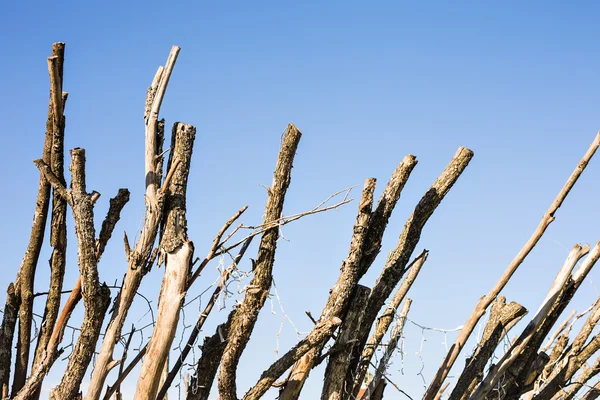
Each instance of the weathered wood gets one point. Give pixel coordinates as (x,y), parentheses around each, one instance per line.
(501,315)
(395,265)
(385,320)
(212,352)
(246,314)
(322,331)
(365,245)
(178,250)
(201,319)
(96,297)
(337,366)
(395,337)
(593,393)
(140,255)
(9,321)
(558,287)
(58,227)
(26,273)
(485,301)
(514,383)
(341,292)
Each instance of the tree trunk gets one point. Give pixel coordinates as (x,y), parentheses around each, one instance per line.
(364,248)
(179,251)
(246,314)
(334,386)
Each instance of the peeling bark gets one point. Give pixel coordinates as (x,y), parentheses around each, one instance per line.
(179,251)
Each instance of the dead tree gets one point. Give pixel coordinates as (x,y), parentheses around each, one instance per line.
(178,251)
(485,301)
(528,370)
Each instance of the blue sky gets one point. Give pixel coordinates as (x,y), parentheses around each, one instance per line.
(366,83)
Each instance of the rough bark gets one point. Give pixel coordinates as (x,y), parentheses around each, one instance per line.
(386,319)
(501,315)
(212,352)
(514,383)
(96,297)
(138,258)
(178,251)
(389,350)
(28,266)
(9,321)
(337,366)
(485,301)
(395,265)
(256,294)
(593,393)
(525,347)
(340,294)
(58,227)
(321,332)
(365,245)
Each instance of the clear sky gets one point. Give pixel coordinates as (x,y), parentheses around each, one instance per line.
(366,83)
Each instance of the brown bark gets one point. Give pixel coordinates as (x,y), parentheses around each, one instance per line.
(593,393)
(395,265)
(212,352)
(201,319)
(178,250)
(386,319)
(334,387)
(396,335)
(365,245)
(525,350)
(520,357)
(9,321)
(30,260)
(96,297)
(256,294)
(341,292)
(138,257)
(484,302)
(322,331)
(58,227)
(501,316)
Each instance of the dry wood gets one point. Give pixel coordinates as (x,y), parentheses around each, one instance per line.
(58,227)
(390,348)
(395,265)
(339,355)
(593,393)
(140,255)
(502,315)
(587,373)
(341,292)
(212,352)
(26,274)
(484,302)
(256,294)
(321,332)
(566,325)
(558,286)
(386,319)
(96,297)
(178,251)
(518,379)
(9,321)
(364,248)
(201,319)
